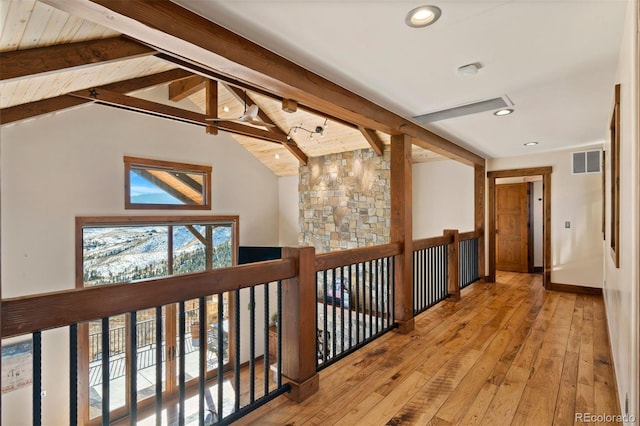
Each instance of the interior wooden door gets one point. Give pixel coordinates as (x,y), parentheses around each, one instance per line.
(514,245)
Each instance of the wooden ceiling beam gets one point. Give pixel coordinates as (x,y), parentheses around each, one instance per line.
(106,97)
(172,28)
(374,140)
(63,57)
(211,107)
(181,89)
(209,73)
(291,144)
(57,103)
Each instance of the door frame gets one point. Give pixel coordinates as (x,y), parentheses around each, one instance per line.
(545,172)
(529,220)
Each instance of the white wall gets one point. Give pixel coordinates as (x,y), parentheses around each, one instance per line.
(70,164)
(443,194)
(621,289)
(289,208)
(576,252)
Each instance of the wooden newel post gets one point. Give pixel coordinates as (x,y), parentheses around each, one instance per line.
(402,230)
(453,281)
(298,325)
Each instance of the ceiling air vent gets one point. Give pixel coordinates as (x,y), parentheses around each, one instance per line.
(459,111)
(587,162)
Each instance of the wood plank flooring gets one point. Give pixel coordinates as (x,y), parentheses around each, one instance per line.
(508,353)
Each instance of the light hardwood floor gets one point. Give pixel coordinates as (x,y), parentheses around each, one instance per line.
(508,353)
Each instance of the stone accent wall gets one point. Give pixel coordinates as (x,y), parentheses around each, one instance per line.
(345,201)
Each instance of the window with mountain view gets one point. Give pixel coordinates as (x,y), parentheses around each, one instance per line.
(154,184)
(124,250)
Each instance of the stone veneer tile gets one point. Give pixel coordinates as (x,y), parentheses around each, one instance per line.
(345,200)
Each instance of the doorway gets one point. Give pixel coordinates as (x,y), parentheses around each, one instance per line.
(514,227)
(545,172)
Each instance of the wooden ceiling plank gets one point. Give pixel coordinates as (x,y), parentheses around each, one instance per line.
(41,60)
(181,89)
(291,144)
(211,104)
(372,137)
(107,97)
(46,106)
(173,28)
(17,18)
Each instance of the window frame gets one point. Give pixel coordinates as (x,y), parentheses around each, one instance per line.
(169,166)
(83,329)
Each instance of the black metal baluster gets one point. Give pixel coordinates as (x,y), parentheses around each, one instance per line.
(133,369)
(37,378)
(159,361)
(393,292)
(325,330)
(202,359)
(221,351)
(73,374)
(333,311)
(252,344)
(415,280)
(342,307)
(350,307)
(181,368)
(279,351)
(423,279)
(236,362)
(371,278)
(388,292)
(357,307)
(266,339)
(105,371)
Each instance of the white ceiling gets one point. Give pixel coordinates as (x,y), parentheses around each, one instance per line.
(555,59)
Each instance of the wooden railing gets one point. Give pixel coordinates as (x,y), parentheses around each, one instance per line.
(442,266)
(252,385)
(355,299)
(353,294)
(430,272)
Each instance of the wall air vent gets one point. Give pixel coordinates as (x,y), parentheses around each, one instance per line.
(473,108)
(587,162)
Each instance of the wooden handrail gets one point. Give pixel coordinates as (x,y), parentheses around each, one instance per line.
(27,314)
(340,258)
(470,235)
(431,242)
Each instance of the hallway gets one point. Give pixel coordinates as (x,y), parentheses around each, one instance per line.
(507,353)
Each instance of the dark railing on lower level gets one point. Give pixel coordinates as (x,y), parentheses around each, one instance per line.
(430,271)
(468,259)
(355,300)
(223,393)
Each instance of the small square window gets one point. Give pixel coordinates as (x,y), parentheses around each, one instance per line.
(154,184)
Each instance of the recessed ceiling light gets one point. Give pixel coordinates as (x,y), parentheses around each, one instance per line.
(531,143)
(225,109)
(277,156)
(504,111)
(422,16)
